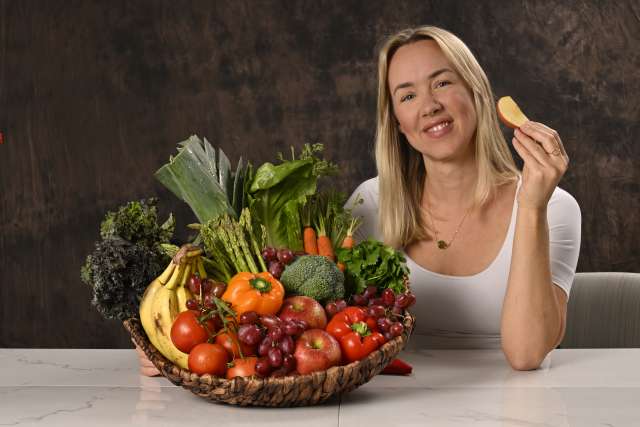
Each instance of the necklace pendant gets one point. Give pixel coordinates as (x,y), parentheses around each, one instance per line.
(442,244)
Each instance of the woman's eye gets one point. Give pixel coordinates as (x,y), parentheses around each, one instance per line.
(406,97)
(442,83)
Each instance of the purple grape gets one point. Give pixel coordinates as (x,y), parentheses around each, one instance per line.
(341,304)
(402,301)
(263,368)
(396,329)
(331,309)
(285,256)
(376,301)
(209,301)
(270,321)
(376,311)
(275,357)
(276,334)
(287,345)
(412,299)
(388,336)
(384,324)
(292,328)
(269,254)
(276,268)
(289,363)
(249,334)
(192,304)
(359,300)
(370,292)
(388,297)
(194,284)
(303,324)
(265,345)
(218,289)
(249,318)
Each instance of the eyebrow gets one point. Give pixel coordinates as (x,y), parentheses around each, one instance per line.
(431,76)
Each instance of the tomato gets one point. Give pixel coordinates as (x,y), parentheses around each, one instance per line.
(230,342)
(242,367)
(208,358)
(187,332)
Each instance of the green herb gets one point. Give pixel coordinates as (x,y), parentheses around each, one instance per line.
(373,263)
(279,191)
(204,180)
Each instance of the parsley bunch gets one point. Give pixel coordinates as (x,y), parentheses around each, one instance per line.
(373,263)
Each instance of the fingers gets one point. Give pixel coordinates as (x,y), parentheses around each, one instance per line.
(149,372)
(548,138)
(533,149)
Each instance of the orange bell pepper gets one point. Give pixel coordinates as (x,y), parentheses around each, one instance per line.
(260,292)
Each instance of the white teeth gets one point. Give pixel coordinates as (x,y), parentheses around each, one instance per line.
(439,127)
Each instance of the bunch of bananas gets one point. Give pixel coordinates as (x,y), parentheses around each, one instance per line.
(166,297)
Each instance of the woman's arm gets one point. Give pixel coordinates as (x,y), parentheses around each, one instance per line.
(534,309)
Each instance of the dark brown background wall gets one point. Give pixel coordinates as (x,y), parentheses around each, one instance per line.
(94,96)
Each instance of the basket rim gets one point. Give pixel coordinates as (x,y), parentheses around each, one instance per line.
(137,332)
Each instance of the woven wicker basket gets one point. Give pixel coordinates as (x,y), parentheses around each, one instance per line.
(300,390)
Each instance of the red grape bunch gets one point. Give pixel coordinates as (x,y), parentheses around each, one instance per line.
(275,339)
(277,260)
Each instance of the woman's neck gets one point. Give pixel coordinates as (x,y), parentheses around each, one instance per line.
(450,186)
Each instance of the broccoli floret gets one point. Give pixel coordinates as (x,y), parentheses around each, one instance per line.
(314,276)
(137,222)
(119,272)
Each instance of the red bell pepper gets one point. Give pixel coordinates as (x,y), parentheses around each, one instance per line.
(356,333)
(397,367)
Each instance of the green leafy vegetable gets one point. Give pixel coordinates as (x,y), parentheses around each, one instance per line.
(127,258)
(278,192)
(137,222)
(373,263)
(204,180)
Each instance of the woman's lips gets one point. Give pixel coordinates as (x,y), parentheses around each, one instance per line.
(440,129)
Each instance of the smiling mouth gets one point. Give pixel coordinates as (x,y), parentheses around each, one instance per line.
(437,128)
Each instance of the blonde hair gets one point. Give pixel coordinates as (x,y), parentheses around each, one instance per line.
(400,216)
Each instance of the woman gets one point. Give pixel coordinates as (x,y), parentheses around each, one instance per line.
(492,251)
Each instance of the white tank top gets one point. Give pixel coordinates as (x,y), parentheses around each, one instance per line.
(465,311)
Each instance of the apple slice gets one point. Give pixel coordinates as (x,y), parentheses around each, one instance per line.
(509,112)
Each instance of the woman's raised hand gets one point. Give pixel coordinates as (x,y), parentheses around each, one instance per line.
(545,162)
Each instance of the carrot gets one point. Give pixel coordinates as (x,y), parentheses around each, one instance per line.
(325,247)
(310,241)
(342,267)
(349,241)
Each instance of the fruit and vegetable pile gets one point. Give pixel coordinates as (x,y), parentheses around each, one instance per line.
(272,282)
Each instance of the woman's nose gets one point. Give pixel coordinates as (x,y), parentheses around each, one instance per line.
(430,106)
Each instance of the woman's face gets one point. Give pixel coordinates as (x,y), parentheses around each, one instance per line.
(431,102)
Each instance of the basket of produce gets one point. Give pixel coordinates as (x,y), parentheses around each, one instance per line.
(271,302)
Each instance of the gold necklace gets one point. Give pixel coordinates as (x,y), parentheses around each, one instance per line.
(441,243)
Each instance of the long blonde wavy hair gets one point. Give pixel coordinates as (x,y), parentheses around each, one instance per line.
(401,170)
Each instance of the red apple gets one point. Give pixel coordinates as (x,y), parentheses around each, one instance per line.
(316,350)
(304,308)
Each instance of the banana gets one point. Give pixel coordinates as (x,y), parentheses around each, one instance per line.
(164,299)
(146,317)
(183,292)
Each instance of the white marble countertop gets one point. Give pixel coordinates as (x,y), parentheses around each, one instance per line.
(580,388)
